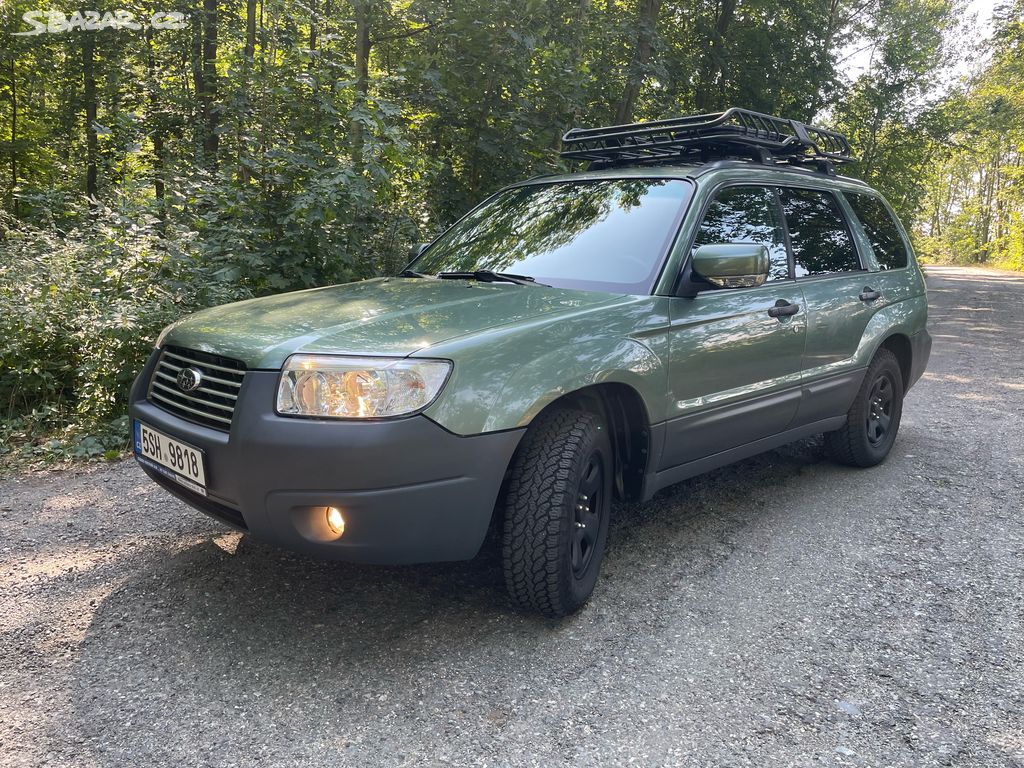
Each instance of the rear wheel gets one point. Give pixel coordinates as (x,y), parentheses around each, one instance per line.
(874,418)
(556,505)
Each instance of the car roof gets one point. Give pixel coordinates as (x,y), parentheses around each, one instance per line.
(704,173)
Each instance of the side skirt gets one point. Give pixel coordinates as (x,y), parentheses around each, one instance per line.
(655,481)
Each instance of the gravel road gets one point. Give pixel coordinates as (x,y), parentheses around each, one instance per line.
(780,612)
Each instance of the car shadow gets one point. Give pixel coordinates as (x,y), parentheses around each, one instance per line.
(220,630)
(230,584)
(224,639)
(257,601)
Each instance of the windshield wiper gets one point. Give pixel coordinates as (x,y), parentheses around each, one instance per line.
(487,276)
(411,273)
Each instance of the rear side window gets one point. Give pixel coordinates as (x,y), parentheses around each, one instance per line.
(881,229)
(818,233)
(747,215)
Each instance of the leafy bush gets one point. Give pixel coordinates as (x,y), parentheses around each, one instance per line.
(84,294)
(79,312)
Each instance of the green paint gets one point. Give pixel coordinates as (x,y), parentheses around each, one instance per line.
(518,348)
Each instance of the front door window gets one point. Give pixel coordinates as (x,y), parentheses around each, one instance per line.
(747,214)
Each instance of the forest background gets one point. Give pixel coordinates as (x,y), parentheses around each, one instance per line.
(258,146)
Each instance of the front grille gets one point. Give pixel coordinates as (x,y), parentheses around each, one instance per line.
(213,403)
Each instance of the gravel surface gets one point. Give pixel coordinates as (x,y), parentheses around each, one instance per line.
(782,611)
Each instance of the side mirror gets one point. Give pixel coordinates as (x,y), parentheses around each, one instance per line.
(732,265)
(416,250)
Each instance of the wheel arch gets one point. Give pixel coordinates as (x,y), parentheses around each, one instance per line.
(623,410)
(899,344)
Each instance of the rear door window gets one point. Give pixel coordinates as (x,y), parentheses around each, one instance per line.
(818,232)
(747,214)
(881,229)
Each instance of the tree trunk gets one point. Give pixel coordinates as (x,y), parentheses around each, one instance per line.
(196,28)
(89,84)
(575,100)
(647,30)
(209,78)
(708,84)
(156,118)
(248,59)
(815,102)
(363,9)
(997,194)
(250,31)
(14,135)
(867,155)
(578,46)
(312,25)
(989,181)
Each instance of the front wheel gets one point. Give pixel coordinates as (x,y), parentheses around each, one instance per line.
(874,418)
(557,504)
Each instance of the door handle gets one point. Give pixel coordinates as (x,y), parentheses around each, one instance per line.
(783,308)
(870,294)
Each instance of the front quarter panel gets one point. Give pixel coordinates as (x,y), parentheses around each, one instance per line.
(504,378)
(537,385)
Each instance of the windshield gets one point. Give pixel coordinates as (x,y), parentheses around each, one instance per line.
(590,235)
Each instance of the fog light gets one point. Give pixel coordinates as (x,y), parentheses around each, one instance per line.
(335,521)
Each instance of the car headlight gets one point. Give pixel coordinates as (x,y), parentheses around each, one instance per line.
(358,387)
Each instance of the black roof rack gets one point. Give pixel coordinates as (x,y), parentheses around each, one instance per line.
(701,138)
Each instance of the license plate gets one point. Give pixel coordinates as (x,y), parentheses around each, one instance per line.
(172,458)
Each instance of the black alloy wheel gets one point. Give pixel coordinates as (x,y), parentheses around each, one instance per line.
(874,417)
(880,406)
(586,530)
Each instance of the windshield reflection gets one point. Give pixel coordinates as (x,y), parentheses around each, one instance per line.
(608,235)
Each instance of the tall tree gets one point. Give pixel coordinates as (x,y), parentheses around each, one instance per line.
(208,82)
(13,90)
(157,132)
(89,94)
(363,11)
(891,107)
(708,91)
(973,184)
(643,52)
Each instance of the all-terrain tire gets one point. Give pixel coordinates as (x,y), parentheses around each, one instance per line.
(556,507)
(874,418)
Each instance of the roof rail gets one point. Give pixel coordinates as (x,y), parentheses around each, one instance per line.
(701,138)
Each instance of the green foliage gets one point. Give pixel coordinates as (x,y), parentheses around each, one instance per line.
(893,114)
(972,207)
(79,312)
(316,145)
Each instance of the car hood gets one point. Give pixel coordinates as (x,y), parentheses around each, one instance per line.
(385,316)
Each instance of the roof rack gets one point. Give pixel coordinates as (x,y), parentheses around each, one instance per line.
(734,133)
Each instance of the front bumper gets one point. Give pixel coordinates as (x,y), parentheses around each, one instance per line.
(409,490)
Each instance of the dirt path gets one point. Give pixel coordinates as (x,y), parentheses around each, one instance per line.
(783,611)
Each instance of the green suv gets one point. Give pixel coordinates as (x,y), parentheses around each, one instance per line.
(708,289)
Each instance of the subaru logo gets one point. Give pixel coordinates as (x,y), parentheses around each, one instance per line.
(189,379)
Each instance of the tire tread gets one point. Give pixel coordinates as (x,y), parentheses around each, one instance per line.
(533,535)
